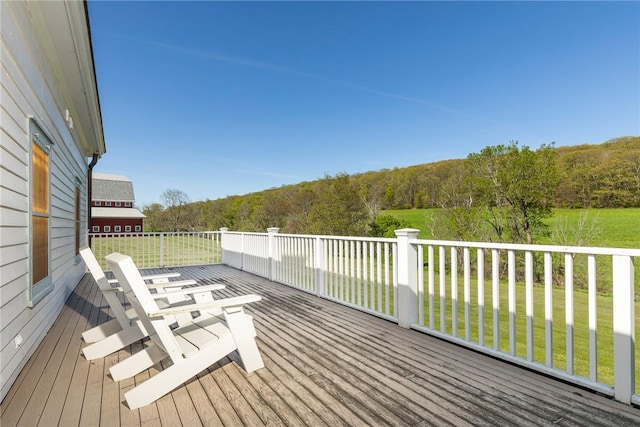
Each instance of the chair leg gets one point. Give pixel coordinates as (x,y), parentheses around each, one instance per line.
(243,332)
(177,374)
(137,363)
(101,331)
(112,343)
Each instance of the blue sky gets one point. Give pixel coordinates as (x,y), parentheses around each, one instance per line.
(223,98)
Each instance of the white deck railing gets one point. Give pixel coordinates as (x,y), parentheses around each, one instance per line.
(150,250)
(542,307)
(533,305)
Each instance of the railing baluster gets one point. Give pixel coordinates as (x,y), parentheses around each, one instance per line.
(387,279)
(359,274)
(548,309)
(454,291)
(372,277)
(568,304)
(431,267)
(480,253)
(593,318)
(528,272)
(366,283)
(379,267)
(495,288)
(420,285)
(511,260)
(443,292)
(467,294)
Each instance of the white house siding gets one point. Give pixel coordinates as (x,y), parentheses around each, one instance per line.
(31,86)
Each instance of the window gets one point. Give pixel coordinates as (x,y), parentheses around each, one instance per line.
(107,228)
(127,204)
(138,228)
(95,229)
(117,229)
(41,283)
(107,203)
(118,204)
(97,203)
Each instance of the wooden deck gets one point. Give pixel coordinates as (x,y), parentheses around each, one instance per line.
(325,365)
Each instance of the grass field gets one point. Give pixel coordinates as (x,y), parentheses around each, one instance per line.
(580,328)
(160,249)
(617,228)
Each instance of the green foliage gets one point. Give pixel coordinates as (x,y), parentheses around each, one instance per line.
(155,218)
(386,225)
(514,189)
(605,175)
(337,209)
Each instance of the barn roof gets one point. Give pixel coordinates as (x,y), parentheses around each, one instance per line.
(112,188)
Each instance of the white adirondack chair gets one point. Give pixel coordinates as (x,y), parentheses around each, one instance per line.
(192,348)
(126,328)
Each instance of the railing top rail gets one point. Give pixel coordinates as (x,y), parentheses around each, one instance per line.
(524,247)
(346,238)
(315,236)
(151,233)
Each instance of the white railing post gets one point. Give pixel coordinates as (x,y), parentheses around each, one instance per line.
(242,252)
(223,257)
(162,249)
(623,328)
(272,251)
(320,266)
(407,277)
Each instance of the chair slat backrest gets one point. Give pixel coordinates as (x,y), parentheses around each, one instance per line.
(143,303)
(107,291)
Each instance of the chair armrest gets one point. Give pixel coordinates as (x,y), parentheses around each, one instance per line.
(174,284)
(160,276)
(187,291)
(221,303)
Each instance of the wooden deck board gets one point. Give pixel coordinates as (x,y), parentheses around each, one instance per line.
(325,364)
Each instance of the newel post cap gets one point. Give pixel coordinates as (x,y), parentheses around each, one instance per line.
(407,232)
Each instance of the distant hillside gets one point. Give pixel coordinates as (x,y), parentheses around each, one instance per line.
(603,175)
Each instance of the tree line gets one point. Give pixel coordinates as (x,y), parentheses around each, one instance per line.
(502,193)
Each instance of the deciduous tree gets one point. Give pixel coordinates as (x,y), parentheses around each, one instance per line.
(174,202)
(516,185)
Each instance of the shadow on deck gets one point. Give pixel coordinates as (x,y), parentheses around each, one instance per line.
(325,365)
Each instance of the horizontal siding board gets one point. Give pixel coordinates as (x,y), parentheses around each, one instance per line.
(14,282)
(13,218)
(14,128)
(14,199)
(14,236)
(18,163)
(12,90)
(10,255)
(12,176)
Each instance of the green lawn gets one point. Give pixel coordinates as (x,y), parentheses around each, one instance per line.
(581,328)
(618,228)
(150,251)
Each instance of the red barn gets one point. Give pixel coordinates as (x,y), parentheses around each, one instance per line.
(112,205)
